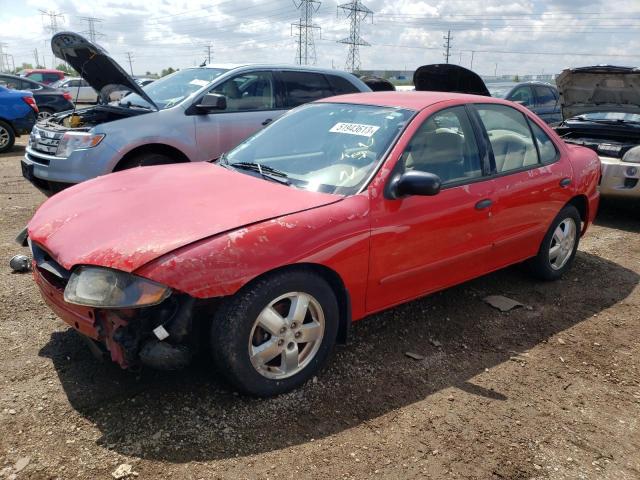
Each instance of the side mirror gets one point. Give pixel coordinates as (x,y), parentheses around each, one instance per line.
(415,182)
(211,102)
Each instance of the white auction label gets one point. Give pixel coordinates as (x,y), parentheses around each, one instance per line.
(354,129)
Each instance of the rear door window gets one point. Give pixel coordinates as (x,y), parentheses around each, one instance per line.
(50,77)
(340,85)
(36,76)
(522,95)
(545,96)
(510,137)
(305,87)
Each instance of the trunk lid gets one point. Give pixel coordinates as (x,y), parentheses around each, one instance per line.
(95,65)
(603,88)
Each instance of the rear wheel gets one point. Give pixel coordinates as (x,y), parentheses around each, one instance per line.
(7,137)
(559,245)
(274,335)
(146,160)
(44,113)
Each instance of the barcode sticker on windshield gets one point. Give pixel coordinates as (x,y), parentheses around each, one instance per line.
(199,83)
(355,129)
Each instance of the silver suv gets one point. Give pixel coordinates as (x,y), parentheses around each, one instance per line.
(194,114)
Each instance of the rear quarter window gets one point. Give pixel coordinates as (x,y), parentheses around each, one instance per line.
(341,85)
(305,87)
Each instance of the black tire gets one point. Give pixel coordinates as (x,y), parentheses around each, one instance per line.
(541,265)
(7,137)
(233,326)
(146,160)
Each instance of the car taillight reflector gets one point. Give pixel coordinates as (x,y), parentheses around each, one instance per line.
(31,102)
(67,95)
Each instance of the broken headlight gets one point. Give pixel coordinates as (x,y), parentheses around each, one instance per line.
(72,141)
(632,156)
(107,288)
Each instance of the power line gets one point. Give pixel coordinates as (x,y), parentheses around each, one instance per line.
(355,11)
(447,46)
(306,47)
(91,27)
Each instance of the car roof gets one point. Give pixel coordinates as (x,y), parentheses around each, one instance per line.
(417,100)
(272,66)
(42,70)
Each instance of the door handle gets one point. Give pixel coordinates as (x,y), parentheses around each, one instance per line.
(565,182)
(267,122)
(482,204)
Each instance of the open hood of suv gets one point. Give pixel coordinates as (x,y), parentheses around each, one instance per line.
(602,88)
(445,77)
(93,64)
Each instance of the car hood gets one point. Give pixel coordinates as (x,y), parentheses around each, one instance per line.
(445,77)
(599,89)
(94,64)
(127,219)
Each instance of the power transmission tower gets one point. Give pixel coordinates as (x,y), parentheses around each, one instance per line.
(130,64)
(355,11)
(91,28)
(3,45)
(53,20)
(447,45)
(37,57)
(208,50)
(306,49)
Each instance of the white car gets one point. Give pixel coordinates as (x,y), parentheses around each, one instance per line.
(79,89)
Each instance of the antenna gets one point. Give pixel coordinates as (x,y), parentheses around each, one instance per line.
(355,11)
(306,47)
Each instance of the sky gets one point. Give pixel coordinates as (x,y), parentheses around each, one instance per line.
(503,36)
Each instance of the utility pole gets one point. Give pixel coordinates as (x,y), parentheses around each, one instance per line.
(37,57)
(447,45)
(306,46)
(130,64)
(355,11)
(472,54)
(208,49)
(91,28)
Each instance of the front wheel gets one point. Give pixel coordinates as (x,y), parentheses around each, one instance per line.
(7,137)
(559,245)
(275,334)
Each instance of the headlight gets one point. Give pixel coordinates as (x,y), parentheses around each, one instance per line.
(72,141)
(632,156)
(106,288)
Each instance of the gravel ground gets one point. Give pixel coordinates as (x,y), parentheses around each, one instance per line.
(551,390)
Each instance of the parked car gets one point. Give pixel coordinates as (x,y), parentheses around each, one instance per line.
(194,114)
(78,88)
(540,97)
(42,75)
(49,100)
(18,113)
(339,209)
(601,111)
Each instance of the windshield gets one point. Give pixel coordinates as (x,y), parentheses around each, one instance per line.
(325,147)
(172,89)
(611,116)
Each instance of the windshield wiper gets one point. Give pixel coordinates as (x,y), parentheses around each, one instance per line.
(265,171)
(135,105)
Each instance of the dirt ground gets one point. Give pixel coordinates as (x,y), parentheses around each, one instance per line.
(551,390)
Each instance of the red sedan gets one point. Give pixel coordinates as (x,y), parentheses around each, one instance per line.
(339,209)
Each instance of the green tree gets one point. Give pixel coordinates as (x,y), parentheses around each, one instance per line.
(166,71)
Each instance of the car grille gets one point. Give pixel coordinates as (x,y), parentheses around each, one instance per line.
(44,141)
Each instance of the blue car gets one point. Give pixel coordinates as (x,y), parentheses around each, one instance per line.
(18,114)
(540,97)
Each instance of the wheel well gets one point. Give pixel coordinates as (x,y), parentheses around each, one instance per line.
(152,148)
(9,124)
(582,205)
(336,284)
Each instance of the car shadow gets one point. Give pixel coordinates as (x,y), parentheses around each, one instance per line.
(17,149)
(192,416)
(619,213)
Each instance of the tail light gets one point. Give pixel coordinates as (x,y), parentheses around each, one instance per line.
(67,96)
(31,102)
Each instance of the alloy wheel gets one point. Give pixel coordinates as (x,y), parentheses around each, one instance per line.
(43,115)
(5,137)
(286,335)
(562,243)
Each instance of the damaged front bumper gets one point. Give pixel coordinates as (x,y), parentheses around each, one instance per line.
(161,336)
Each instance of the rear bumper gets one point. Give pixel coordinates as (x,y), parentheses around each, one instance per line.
(619,179)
